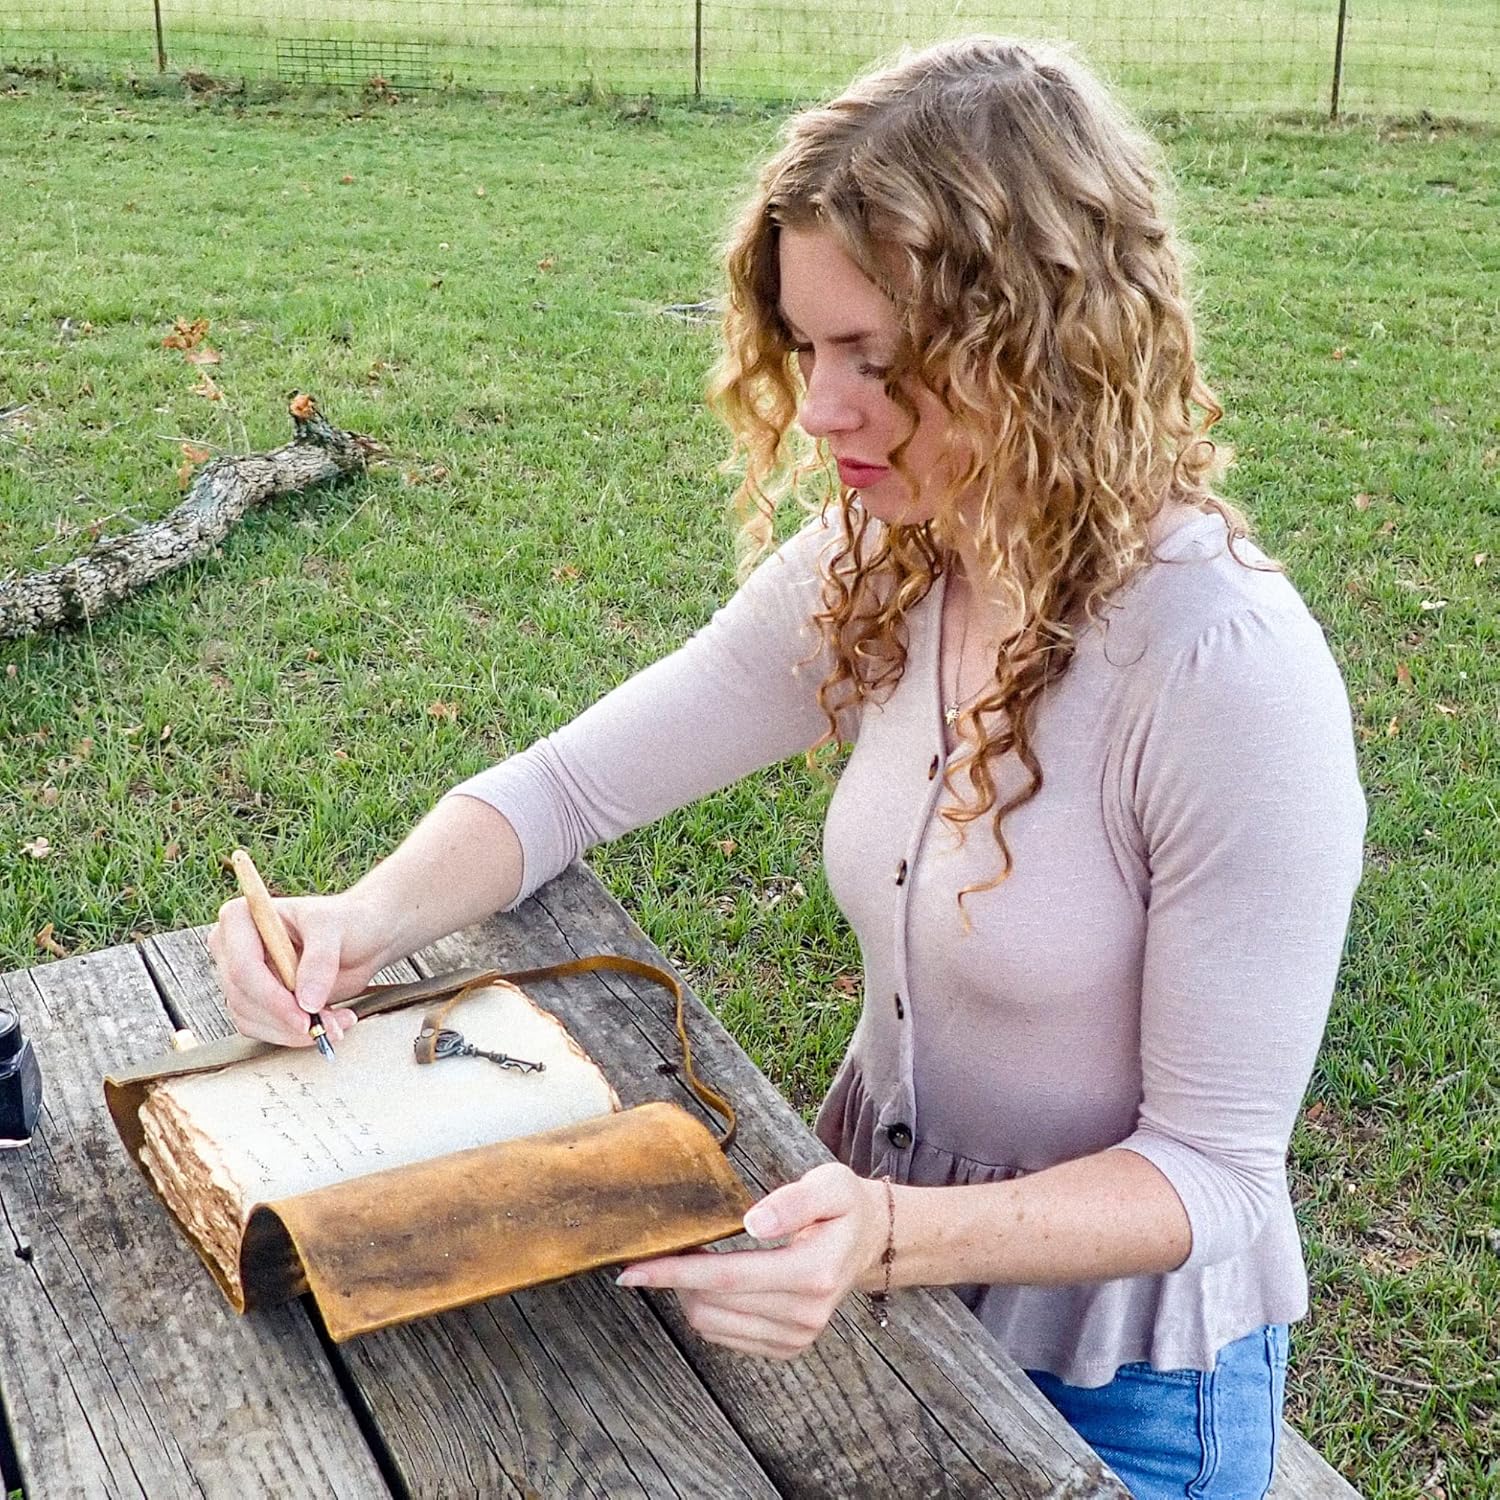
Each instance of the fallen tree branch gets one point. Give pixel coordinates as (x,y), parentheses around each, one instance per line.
(116,567)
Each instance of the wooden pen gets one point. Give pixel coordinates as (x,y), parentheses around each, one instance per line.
(273,934)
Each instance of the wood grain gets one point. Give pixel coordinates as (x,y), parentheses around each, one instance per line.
(124,1372)
(568,1390)
(1302,1473)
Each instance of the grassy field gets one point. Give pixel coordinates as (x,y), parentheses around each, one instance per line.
(478,286)
(1401,56)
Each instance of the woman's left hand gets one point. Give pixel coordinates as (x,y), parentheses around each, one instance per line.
(776,1302)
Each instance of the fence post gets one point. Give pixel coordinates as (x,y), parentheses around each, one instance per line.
(161,46)
(1338,61)
(697,49)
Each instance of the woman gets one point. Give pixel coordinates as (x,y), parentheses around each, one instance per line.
(1086,1033)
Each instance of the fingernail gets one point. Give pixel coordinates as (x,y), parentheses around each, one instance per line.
(629,1278)
(761,1225)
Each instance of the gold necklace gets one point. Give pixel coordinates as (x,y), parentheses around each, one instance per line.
(956,706)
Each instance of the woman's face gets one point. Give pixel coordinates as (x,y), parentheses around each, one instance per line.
(846,333)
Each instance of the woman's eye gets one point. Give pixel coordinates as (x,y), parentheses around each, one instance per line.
(875,372)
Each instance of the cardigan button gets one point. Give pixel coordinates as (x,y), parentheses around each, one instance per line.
(932,770)
(899,1135)
(901,873)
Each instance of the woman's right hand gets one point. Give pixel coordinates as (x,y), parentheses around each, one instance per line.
(340,944)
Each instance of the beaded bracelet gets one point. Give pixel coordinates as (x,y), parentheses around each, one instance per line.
(880,1301)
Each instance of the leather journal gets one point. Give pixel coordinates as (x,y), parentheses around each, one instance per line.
(462,1146)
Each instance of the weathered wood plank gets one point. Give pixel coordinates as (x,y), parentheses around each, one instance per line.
(1302,1473)
(124,1372)
(570,1390)
(926,1407)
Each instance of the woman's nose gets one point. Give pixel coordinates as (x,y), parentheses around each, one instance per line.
(827,406)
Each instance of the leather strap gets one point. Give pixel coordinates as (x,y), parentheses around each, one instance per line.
(468,983)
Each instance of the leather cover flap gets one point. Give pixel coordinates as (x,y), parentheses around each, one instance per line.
(440,1234)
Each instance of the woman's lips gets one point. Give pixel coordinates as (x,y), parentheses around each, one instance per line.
(859,476)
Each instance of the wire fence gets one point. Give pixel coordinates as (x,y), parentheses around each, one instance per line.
(1388,57)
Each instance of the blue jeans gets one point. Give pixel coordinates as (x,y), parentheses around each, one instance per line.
(1186,1434)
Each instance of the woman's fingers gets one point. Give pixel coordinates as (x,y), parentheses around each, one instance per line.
(317,968)
(259,1003)
(772,1328)
(337,1022)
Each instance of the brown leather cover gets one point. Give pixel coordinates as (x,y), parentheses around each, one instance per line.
(444,1233)
(390,1246)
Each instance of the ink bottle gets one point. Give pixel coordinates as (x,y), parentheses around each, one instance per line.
(20,1084)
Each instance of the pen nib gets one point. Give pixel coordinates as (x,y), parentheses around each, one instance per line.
(324,1045)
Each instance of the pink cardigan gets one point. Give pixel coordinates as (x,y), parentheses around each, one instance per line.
(1155,974)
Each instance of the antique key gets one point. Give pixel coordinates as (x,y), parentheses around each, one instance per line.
(448,1043)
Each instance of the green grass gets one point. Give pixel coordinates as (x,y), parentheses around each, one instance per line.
(1400,56)
(552,519)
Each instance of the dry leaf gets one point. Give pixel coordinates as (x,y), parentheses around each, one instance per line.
(1314,1112)
(49,796)
(12,671)
(1480,559)
(1431,604)
(564,574)
(203,356)
(166,733)
(1338,353)
(49,944)
(303,407)
(185,335)
(84,748)
(1361,502)
(207,389)
(479,192)
(171,852)
(1403,674)
(546,263)
(727,847)
(1387,528)
(38,848)
(847,984)
(192,456)
(1393,729)
(1447,710)
(341,755)
(441,710)
(346,179)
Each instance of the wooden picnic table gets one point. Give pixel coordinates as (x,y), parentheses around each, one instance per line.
(123,1372)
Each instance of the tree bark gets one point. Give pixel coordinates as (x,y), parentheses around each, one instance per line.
(116,567)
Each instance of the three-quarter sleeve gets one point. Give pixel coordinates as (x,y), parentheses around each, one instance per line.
(741,694)
(1250,809)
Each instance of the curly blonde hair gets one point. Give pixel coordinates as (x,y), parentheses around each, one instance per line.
(1015,216)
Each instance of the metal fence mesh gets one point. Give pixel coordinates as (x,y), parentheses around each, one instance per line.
(1397,57)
